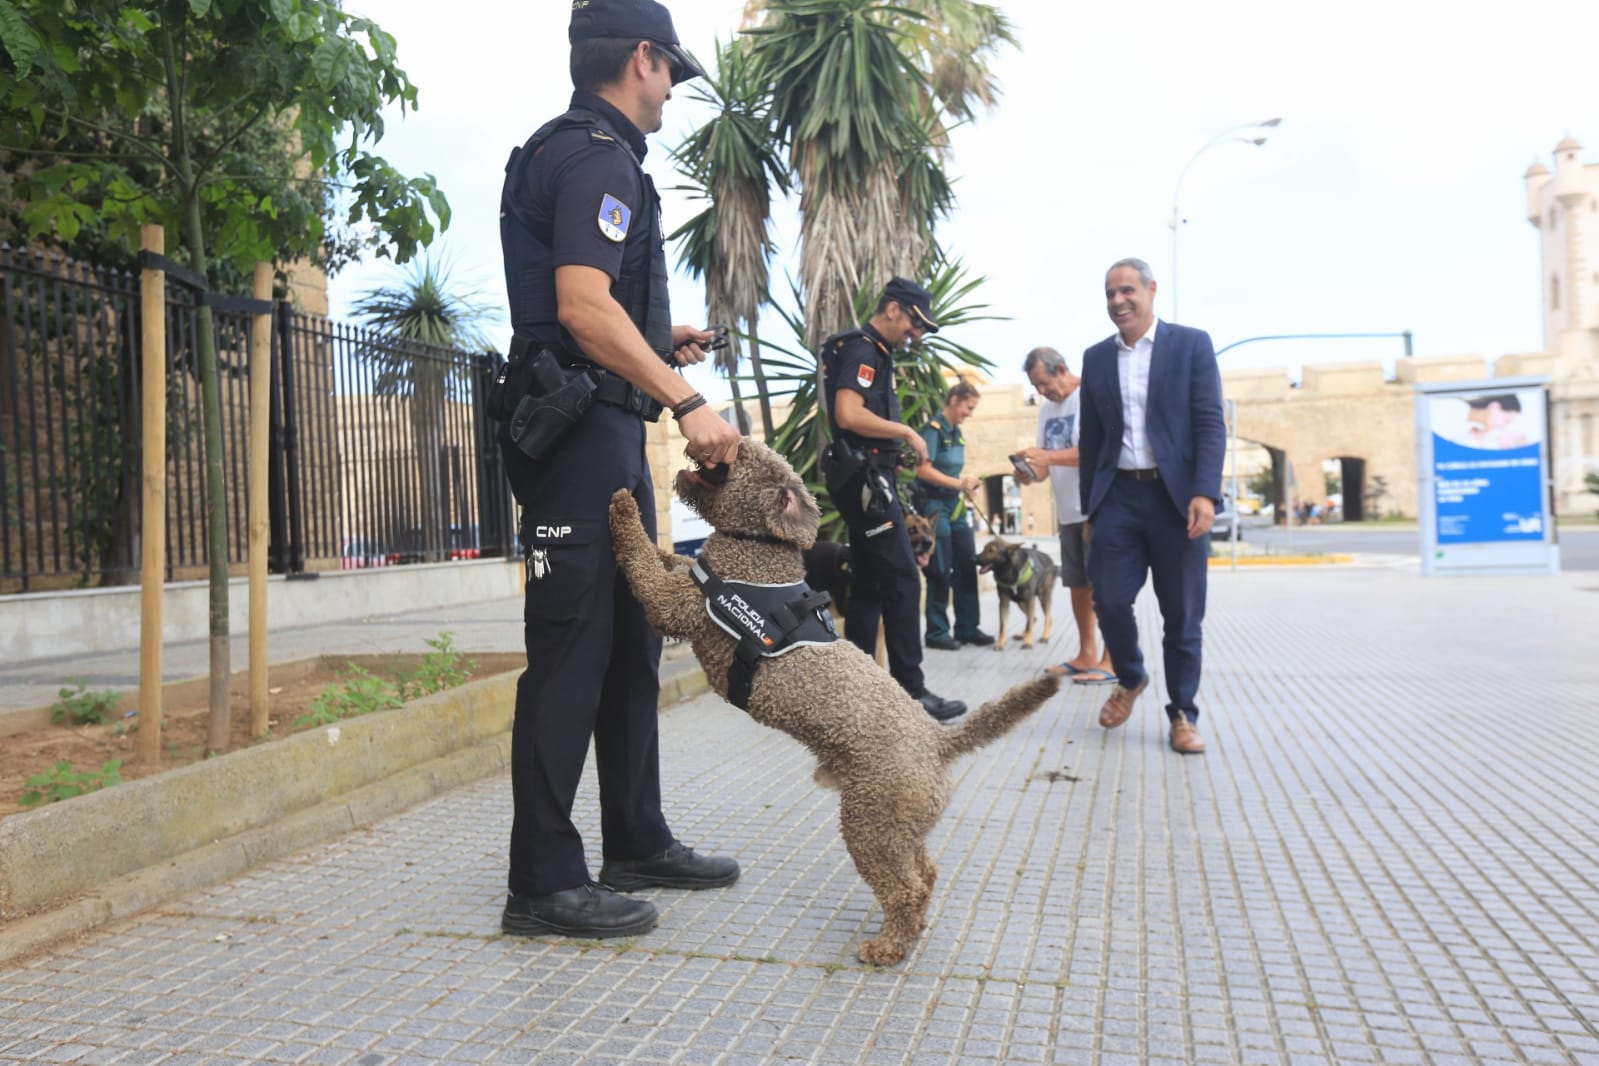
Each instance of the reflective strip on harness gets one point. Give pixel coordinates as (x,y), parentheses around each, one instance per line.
(766,620)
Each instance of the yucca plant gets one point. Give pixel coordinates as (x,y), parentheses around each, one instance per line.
(919,375)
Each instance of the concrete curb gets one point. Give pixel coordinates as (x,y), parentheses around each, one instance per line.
(1333,559)
(72,867)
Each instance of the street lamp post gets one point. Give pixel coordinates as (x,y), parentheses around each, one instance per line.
(1237,133)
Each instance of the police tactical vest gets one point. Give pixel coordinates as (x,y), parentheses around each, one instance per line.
(766,620)
(529,269)
(880,397)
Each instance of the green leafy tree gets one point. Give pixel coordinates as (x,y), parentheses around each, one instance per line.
(168,92)
(423,305)
(1590,481)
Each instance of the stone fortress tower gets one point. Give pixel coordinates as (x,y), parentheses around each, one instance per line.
(1564,207)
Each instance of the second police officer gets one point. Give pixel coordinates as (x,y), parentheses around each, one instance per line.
(864,414)
(592,359)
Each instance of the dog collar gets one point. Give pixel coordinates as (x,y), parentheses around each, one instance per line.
(758,538)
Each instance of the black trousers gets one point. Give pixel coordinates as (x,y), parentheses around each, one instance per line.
(885,585)
(593,662)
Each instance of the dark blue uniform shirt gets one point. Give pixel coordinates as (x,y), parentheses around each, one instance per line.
(863,363)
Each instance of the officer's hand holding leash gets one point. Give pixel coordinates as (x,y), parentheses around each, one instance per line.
(691,345)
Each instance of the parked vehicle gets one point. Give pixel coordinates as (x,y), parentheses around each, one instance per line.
(359,553)
(463,543)
(689,530)
(1226,518)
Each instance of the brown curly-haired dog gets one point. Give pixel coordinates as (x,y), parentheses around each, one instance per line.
(873,742)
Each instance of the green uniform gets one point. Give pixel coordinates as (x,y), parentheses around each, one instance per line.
(953,568)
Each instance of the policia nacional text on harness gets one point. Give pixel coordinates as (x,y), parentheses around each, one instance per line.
(766,620)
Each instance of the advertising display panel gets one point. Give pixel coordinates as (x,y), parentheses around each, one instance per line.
(1483,466)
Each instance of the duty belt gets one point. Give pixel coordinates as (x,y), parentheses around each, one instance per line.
(616,390)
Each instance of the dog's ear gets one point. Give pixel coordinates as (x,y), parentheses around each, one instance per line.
(794,516)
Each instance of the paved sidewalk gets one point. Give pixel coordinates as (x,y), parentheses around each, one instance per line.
(1388,854)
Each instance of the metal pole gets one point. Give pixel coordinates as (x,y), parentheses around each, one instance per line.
(153,515)
(1232,430)
(1292,483)
(259,509)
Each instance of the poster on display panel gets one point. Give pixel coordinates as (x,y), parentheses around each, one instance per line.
(1484,489)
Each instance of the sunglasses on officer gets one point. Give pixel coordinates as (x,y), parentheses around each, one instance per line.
(679,72)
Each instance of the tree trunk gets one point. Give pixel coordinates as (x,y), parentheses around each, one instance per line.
(216,500)
(427,427)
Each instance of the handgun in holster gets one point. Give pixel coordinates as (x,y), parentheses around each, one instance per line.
(839,464)
(553,401)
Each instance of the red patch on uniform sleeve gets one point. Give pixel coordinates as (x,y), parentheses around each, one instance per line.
(864,377)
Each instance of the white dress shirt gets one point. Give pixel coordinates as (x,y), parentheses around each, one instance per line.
(1132,367)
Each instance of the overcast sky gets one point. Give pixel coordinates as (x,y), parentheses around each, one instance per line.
(1389,199)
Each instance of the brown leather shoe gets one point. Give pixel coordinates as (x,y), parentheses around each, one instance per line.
(1119,707)
(1185,739)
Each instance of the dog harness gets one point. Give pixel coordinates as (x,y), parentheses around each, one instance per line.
(1021,579)
(766,620)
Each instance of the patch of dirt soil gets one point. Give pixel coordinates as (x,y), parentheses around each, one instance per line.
(291,690)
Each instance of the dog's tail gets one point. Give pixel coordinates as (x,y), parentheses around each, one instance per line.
(996,717)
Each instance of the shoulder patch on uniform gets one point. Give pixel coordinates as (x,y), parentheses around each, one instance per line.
(865,376)
(601,135)
(614,218)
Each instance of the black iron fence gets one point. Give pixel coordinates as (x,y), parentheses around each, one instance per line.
(382,453)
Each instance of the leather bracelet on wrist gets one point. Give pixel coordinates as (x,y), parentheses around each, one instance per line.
(683,407)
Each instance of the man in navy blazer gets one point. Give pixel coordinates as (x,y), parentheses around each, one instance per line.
(1152,438)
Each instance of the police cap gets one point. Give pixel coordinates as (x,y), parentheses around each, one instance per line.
(643,19)
(917,302)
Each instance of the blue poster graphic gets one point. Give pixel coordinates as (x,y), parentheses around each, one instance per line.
(1488,495)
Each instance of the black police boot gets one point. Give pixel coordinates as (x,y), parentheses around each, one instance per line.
(589,911)
(940,708)
(676,867)
(943,643)
(978,637)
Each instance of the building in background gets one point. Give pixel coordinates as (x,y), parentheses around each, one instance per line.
(1564,207)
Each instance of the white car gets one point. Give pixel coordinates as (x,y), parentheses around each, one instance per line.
(1226,518)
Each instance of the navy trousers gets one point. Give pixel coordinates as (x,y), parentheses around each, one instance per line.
(593,662)
(1137,532)
(885,585)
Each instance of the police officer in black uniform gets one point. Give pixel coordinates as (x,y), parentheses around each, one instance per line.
(863,410)
(585,268)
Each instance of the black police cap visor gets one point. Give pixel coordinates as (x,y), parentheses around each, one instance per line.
(643,19)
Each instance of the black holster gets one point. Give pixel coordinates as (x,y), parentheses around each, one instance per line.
(544,398)
(839,464)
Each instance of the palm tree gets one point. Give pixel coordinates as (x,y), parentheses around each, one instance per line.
(952,46)
(420,318)
(920,379)
(845,97)
(734,165)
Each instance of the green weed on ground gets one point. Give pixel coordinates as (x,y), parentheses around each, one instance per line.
(63,782)
(81,707)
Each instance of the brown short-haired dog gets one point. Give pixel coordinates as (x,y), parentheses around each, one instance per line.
(1023,576)
(888,759)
